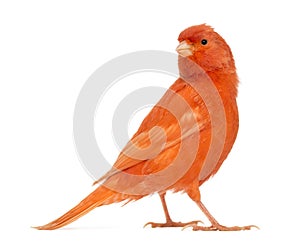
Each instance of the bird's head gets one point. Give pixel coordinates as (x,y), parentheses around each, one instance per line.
(207,48)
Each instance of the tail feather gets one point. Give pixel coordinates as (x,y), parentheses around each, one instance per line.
(100,196)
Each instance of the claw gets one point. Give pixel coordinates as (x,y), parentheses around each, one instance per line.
(188,226)
(172,224)
(223,228)
(149,223)
(253,226)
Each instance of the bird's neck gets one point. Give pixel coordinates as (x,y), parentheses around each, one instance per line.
(224,77)
(226,83)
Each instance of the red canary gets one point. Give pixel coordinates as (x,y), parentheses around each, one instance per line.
(184,139)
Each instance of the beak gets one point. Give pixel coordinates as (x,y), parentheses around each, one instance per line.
(184,49)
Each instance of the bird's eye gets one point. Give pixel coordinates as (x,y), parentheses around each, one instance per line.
(204,41)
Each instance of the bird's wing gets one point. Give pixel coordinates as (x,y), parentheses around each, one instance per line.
(167,125)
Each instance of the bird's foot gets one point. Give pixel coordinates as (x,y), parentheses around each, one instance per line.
(172,224)
(219,227)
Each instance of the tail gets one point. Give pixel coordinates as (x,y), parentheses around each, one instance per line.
(100,196)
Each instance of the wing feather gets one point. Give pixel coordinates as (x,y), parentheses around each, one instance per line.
(159,132)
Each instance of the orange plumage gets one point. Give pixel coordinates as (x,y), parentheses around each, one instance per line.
(170,150)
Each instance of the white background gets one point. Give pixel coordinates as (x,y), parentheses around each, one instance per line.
(48,50)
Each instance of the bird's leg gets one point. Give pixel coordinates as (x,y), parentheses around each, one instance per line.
(215,225)
(169,221)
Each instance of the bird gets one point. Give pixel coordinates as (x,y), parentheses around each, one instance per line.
(184,139)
